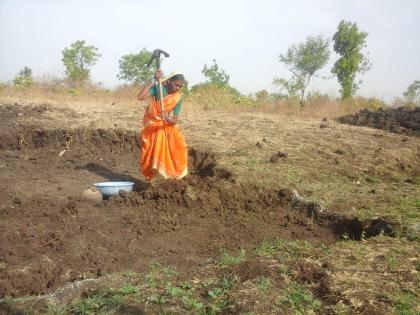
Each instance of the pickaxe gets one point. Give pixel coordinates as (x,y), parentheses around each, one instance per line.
(156,55)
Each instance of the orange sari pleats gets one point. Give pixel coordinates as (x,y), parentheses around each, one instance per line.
(163,147)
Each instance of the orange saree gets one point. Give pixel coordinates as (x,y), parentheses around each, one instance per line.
(163,147)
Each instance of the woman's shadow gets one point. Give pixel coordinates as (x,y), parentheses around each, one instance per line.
(100,170)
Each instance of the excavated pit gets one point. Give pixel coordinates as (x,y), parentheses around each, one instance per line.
(49,236)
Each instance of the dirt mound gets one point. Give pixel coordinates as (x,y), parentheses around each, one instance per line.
(46,243)
(49,236)
(399,120)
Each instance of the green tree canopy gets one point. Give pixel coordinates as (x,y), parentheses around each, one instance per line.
(24,78)
(261,95)
(412,94)
(133,67)
(26,72)
(215,75)
(78,59)
(348,43)
(303,61)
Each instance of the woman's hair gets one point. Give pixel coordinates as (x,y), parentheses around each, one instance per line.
(177,77)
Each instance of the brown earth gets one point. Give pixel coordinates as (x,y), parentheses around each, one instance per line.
(49,236)
(399,120)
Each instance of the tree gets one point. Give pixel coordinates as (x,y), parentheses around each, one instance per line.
(412,94)
(24,78)
(348,43)
(261,96)
(216,75)
(78,59)
(303,61)
(26,72)
(133,67)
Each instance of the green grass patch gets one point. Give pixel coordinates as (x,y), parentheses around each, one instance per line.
(405,303)
(218,294)
(263,284)
(289,250)
(404,210)
(297,300)
(129,274)
(229,260)
(156,274)
(99,302)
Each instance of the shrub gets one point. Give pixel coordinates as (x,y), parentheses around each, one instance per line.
(23,81)
(210,96)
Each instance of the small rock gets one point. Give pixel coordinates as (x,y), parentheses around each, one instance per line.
(281,154)
(71,205)
(274,158)
(92,195)
(259,145)
(325,119)
(358,183)
(339,151)
(323,125)
(18,201)
(264,140)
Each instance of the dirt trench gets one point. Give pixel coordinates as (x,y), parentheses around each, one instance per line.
(49,236)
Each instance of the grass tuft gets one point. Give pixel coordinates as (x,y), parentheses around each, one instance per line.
(297,300)
(229,260)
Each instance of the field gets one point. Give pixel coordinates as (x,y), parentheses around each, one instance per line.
(281,214)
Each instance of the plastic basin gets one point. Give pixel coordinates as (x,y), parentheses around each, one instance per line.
(113,188)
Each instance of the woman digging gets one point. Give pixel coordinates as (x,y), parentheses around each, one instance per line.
(163,147)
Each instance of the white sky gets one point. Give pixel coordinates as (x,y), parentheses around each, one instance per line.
(245,37)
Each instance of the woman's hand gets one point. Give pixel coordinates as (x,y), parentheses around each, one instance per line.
(170,120)
(144,92)
(158,75)
(167,118)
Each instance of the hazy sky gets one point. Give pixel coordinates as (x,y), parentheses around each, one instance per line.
(245,37)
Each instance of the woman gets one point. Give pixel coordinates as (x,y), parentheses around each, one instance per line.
(163,147)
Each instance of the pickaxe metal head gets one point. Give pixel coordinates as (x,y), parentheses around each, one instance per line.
(156,55)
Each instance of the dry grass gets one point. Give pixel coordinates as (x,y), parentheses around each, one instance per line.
(202,100)
(61,95)
(317,108)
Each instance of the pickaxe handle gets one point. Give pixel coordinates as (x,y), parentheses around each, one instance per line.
(156,55)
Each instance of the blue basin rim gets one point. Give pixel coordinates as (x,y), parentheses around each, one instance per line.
(113,184)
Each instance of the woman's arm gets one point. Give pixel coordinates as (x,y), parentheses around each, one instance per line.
(144,92)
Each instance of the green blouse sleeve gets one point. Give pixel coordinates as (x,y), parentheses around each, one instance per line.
(153,91)
(177,108)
